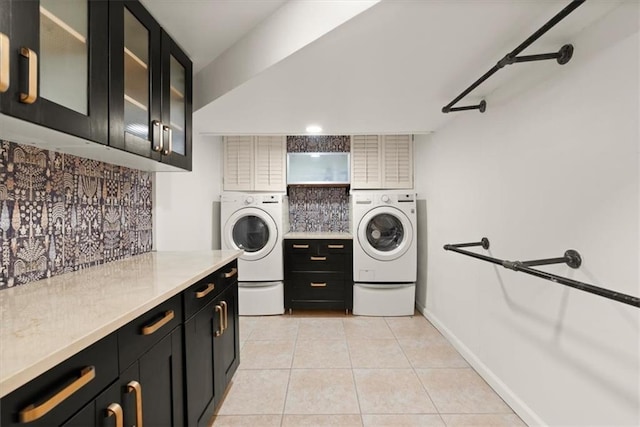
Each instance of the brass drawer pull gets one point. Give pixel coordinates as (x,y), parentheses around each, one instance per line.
(300,246)
(205,292)
(135,387)
(149,329)
(318,285)
(231,273)
(226,315)
(4,62)
(116,410)
(218,310)
(32,76)
(335,246)
(318,258)
(36,411)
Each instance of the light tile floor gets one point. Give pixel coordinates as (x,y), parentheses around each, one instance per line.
(329,369)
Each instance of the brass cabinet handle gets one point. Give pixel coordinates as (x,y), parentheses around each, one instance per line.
(4,62)
(207,291)
(318,258)
(149,329)
(318,285)
(115,410)
(226,315)
(301,246)
(166,132)
(231,273)
(219,311)
(36,411)
(135,387)
(156,136)
(32,76)
(335,246)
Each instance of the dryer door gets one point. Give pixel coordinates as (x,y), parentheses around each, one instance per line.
(385,233)
(253,231)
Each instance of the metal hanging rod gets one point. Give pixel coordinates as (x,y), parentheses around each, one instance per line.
(562,56)
(571,258)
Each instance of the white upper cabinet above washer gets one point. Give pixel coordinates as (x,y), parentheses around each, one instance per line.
(381,161)
(255,163)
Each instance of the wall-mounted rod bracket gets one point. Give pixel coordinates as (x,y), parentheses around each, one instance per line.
(571,258)
(562,56)
(484,242)
(482,106)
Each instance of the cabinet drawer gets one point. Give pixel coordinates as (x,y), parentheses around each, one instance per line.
(308,262)
(316,286)
(139,335)
(205,290)
(60,392)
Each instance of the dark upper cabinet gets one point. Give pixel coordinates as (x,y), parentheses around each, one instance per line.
(57,66)
(151,82)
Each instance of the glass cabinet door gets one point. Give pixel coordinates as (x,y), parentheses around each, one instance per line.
(176,105)
(135,98)
(59,65)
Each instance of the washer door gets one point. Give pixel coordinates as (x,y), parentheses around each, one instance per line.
(253,231)
(385,233)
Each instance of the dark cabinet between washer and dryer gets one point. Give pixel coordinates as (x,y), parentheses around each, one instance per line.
(318,274)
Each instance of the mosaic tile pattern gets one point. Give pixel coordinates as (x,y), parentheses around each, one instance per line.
(61,213)
(318,143)
(318,209)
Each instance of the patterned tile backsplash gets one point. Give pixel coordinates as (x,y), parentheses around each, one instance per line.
(61,213)
(318,208)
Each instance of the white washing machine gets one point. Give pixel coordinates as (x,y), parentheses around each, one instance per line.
(385,260)
(255,223)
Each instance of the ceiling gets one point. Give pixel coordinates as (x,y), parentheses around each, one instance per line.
(390,69)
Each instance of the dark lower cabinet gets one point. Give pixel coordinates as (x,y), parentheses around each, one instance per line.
(318,274)
(226,347)
(159,370)
(212,354)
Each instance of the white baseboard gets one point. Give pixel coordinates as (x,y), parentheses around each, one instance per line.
(519,407)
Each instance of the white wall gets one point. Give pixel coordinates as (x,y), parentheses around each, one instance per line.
(186,204)
(553,168)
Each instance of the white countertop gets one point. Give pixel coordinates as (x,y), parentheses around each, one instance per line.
(317,235)
(44,323)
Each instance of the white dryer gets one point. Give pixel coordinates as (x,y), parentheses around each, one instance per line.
(256,223)
(385,258)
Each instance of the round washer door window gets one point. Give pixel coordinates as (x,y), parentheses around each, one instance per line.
(253,231)
(385,233)
(250,233)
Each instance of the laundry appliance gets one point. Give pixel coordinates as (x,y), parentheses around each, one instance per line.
(384,252)
(256,223)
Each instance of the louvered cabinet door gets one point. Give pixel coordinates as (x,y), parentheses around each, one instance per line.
(397,161)
(365,161)
(238,163)
(269,158)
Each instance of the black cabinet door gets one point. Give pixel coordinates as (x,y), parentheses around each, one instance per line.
(135,74)
(199,333)
(59,65)
(176,104)
(161,380)
(226,344)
